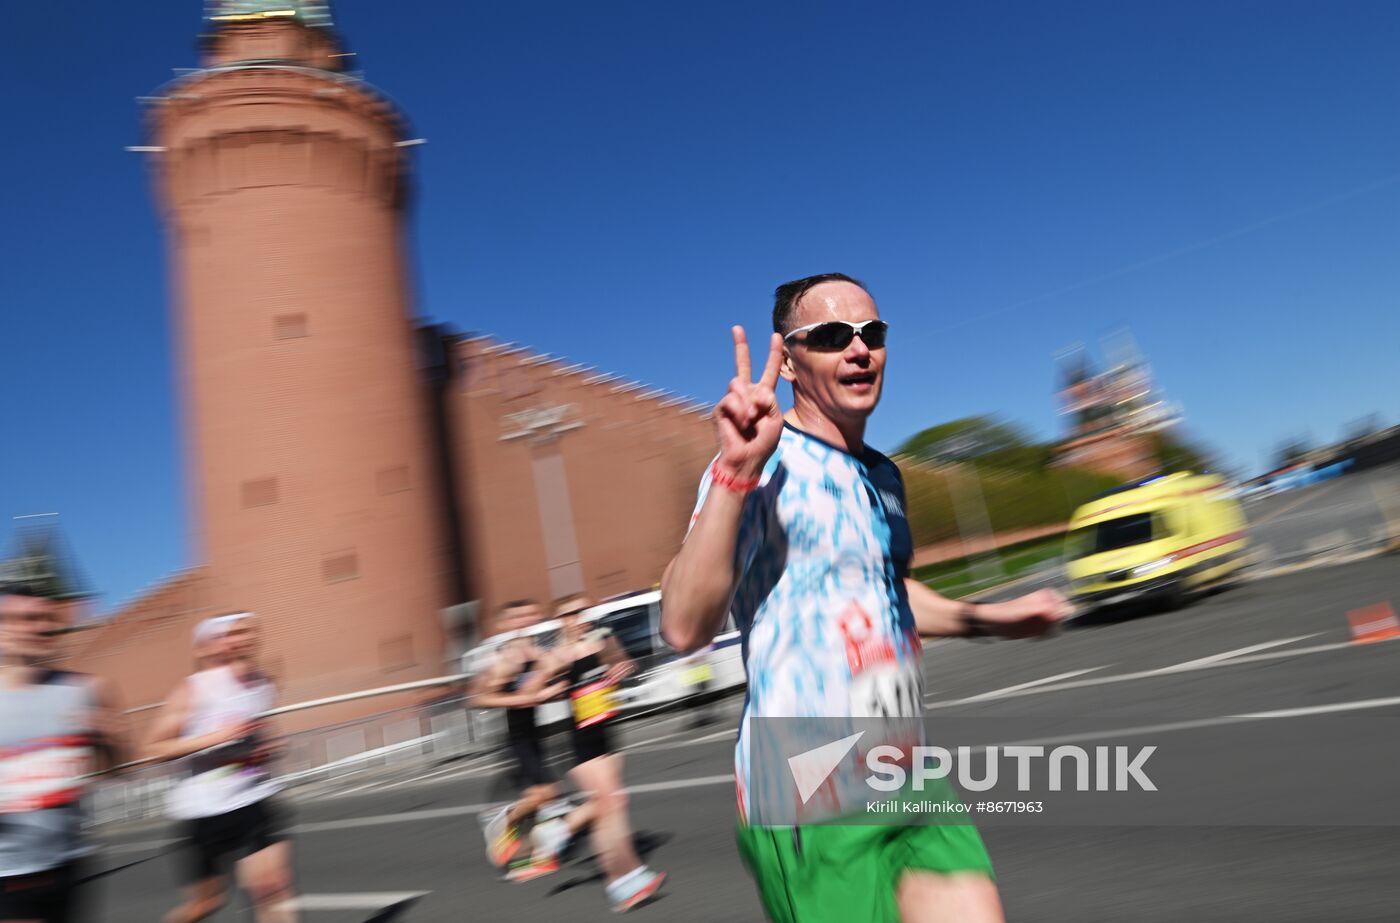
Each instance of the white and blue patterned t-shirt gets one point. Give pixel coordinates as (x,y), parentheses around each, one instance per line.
(821,606)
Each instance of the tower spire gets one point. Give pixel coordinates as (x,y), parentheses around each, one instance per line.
(271,31)
(309,12)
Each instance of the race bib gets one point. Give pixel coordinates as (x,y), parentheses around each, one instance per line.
(45,774)
(885,678)
(887,690)
(594,703)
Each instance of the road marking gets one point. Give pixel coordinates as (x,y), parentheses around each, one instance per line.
(1228,655)
(1035,682)
(1324,709)
(1164,671)
(369,900)
(726,779)
(652,746)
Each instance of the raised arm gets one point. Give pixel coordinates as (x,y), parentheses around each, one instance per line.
(699,583)
(488,688)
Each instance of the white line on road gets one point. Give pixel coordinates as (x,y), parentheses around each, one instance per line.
(726,779)
(1035,682)
(369,900)
(1324,709)
(1171,671)
(1230,655)
(651,746)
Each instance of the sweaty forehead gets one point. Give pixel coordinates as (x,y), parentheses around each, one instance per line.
(834,301)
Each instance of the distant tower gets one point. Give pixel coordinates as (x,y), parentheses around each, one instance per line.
(283,183)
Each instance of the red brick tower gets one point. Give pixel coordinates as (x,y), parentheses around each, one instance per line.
(317,502)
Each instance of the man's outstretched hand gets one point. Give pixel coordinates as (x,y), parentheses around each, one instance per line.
(747,420)
(1029,616)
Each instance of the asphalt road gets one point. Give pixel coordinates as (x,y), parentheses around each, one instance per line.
(1270,646)
(1343,513)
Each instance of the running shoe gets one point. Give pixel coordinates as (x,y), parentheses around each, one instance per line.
(503,840)
(550,838)
(532,868)
(634,889)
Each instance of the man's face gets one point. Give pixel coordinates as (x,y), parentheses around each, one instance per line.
(518,617)
(240,640)
(844,384)
(28,627)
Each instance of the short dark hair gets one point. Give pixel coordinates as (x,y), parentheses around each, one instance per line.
(787,295)
(518,604)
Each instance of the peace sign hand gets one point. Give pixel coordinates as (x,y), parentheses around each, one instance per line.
(747,420)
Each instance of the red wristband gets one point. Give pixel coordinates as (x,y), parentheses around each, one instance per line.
(729,481)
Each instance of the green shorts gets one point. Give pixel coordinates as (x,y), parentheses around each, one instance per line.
(842,873)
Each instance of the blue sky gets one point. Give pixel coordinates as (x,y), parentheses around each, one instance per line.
(619,182)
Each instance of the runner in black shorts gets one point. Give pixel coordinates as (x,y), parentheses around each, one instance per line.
(594,664)
(217,842)
(517,680)
(214,725)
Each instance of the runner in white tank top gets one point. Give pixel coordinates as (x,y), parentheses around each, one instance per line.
(214,725)
(226,777)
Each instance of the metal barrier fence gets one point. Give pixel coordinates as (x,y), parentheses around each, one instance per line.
(386,744)
(391,741)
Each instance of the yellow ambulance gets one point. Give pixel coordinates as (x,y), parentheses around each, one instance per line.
(1157,539)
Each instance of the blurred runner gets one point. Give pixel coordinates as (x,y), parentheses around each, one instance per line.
(786,498)
(55,728)
(594,664)
(516,679)
(213,722)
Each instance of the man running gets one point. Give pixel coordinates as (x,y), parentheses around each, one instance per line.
(800,527)
(55,729)
(517,679)
(594,664)
(214,722)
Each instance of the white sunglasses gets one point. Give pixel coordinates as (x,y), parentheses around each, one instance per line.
(830,335)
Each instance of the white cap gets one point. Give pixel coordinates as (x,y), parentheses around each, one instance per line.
(211,629)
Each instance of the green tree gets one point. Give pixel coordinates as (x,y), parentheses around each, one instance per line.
(979,438)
